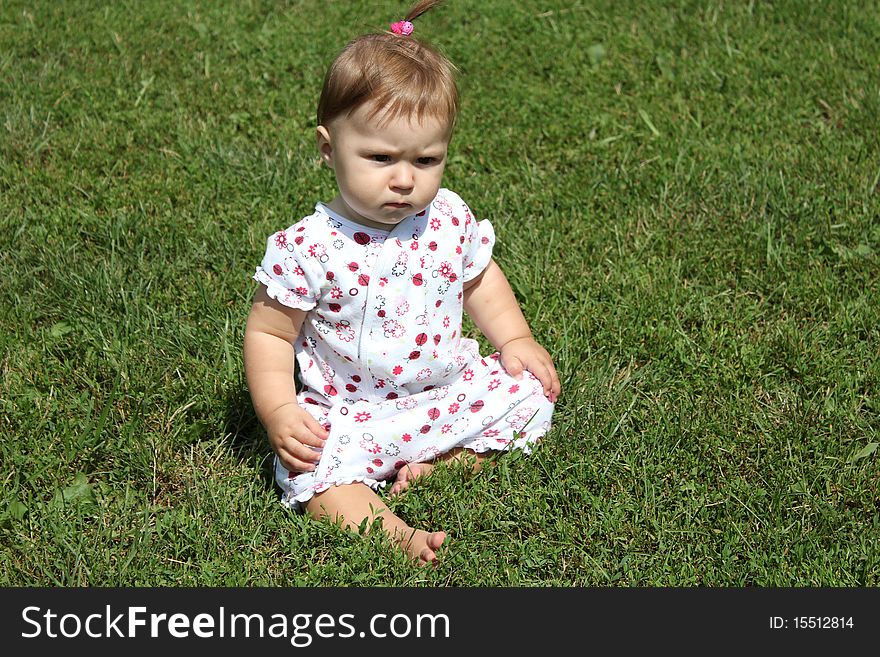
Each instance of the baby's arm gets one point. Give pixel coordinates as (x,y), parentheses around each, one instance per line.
(268,363)
(489,301)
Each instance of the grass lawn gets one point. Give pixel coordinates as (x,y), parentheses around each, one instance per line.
(687,201)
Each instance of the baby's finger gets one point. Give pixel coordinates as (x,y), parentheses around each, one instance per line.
(316,427)
(307,436)
(542,373)
(293,464)
(556,387)
(513,365)
(302,451)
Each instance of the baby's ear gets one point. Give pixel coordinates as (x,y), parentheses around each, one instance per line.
(322,137)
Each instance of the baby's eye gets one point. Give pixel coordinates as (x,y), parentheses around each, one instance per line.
(427,161)
(378,157)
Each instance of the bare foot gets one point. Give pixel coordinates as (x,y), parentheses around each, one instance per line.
(352,505)
(420,545)
(412,471)
(409,473)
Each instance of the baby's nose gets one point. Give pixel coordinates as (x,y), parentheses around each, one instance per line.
(403,177)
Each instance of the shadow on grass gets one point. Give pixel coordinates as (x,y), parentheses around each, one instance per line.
(246,436)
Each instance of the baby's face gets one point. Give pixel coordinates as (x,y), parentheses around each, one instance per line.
(385,169)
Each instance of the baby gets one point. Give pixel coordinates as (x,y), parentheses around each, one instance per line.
(367,293)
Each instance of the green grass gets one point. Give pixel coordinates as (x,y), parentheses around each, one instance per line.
(687,200)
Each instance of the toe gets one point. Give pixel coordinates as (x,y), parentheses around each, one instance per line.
(435,540)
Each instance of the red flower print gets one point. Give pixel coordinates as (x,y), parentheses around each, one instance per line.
(392,328)
(513,389)
(443,205)
(302,291)
(453,408)
(446,322)
(491,433)
(344,332)
(445,270)
(336,293)
(494,384)
(363,416)
(380,383)
(406,438)
(414,245)
(468,375)
(439,393)
(398,370)
(435,223)
(281,239)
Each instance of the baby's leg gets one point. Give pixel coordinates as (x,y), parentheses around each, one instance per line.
(413,471)
(351,504)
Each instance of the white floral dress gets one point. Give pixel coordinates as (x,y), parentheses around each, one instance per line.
(383,364)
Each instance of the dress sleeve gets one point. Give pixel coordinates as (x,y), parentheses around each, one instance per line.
(285,274)
(479,239)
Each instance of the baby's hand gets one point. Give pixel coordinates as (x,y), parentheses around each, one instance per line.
(526,354)
(292,434)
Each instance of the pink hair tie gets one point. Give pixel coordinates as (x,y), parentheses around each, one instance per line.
(402,27)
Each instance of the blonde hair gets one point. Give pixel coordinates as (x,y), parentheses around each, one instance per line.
(400,75)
